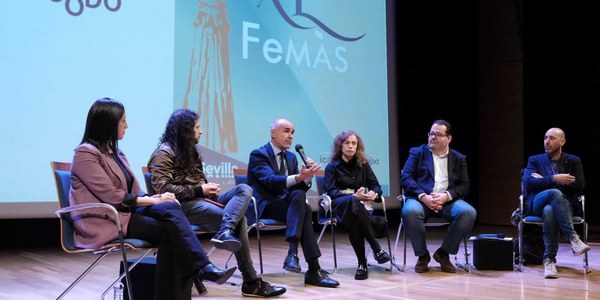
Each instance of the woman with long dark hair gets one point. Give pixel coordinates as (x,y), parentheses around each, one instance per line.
(101,174)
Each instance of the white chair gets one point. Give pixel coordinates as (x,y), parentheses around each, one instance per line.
(62,177)
(326,218)
(241,176)
(535,220)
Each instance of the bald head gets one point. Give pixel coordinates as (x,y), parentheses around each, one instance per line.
(279,122)
(559,133)
(553,141)
(282,133)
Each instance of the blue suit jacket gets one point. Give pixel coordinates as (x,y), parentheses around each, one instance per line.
(263,178)
(418,176)
(542,165)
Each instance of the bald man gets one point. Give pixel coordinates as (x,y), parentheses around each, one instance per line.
(552,183)
(280,191)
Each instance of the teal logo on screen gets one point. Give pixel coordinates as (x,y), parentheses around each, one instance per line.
(299,14)
(75,7)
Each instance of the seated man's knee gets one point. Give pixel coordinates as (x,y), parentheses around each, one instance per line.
(297,196)
(548,213)
(555,194)
(469,213)
(243,189)
(412,209)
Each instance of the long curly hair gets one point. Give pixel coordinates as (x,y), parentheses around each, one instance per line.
(336,149)
(179,135)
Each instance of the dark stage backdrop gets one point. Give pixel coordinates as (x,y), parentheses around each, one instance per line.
(562,83)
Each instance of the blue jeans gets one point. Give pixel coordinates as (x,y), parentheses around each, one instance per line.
(556,212)
(459,213)
(211,218)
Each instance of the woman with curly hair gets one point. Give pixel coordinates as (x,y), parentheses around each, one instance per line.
(352,186)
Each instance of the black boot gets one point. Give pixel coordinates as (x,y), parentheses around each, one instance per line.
(211,273)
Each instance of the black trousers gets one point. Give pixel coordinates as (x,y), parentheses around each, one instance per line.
(180,254)
(297,215)
(355,218)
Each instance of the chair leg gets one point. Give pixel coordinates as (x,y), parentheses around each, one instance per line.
(334,249)
(82,275)
(228,259)
(393,263)
(124,274)
(128,278)
(401,269)
(389,243)
(322,232)
(521,244)
(260,258)
(466,266)
(586,266)
(404,260)
(467,254)
(211,251)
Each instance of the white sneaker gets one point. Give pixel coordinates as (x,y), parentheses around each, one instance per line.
(550,269)
(578,246)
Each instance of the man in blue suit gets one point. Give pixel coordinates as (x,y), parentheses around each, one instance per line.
(552,182)
(280,191)
(435,181)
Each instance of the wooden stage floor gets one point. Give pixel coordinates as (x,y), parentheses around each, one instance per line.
(44,273)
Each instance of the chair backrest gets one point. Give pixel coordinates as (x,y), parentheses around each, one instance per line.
(320,179)
(578,210)
(148,180)
(323,215)
(62,179)
(240,176)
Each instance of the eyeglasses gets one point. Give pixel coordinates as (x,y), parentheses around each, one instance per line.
(436,134)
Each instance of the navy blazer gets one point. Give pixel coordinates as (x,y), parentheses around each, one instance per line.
(418,174)
(263,178)
(542,165)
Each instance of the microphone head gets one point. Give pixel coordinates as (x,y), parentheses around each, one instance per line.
(299,148)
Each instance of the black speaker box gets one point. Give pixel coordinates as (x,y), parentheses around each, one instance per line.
(491,253)
(142,278)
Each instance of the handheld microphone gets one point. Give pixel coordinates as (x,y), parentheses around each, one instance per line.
(300,151)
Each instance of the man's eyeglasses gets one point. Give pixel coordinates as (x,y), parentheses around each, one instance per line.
(436,134)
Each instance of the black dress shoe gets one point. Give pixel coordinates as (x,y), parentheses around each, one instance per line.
(443,258)
(224,239)
(422,263)
(381,256)
(214,274)
(260,288)
(319,278)
(362,272)
(292,263)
